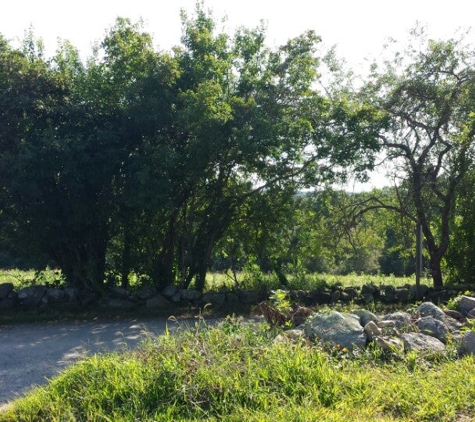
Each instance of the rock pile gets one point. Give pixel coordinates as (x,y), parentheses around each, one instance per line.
(428,329)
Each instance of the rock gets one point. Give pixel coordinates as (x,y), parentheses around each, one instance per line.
(386,324)
(368,298)
(321,297)
(418,293)
(433,327)
(146,292)
(467,346)
(372,330)
(351,292)
(54,296)
(158,302)
(336,296)
(391,344)
(466,304)
(176,298)
(400,319)
(213,298)
(119,292)
(169,291)
(294,335)
(455,315)
(370,288)
(120,303)
(190,295)
(31,296)
(232,299)
(365,316)
(403,295)
(420,342)
(429,309)
(72,294)
(9,302)
(388,294)
(441,295)
(5,290)
(249,297)
(337,327)
(471,314)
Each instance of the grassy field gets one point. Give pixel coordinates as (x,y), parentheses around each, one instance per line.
(237,372)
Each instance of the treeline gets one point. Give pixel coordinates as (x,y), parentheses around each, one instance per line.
(164,163)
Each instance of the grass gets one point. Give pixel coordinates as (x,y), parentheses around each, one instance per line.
(258,280)
(237,372)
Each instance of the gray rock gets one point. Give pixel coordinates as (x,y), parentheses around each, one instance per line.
(120,303)
(471,314)
(295,334)
(401,319)
(386,324)
(467,346)
(249,297)
(213,298)
(169,291)
(466,304)
(368,298)
(429,309)
(337,327)
(420,342)
(72,294)
(403,295)
(388,294)
(119,292)
(351,292)
(146,292)
(158,302)
(8,303)
(418,293)
(176,298)
(31,296)
(190,295)
(232,298)
(54,296)
(391,344)
(5,290)
(454,314)
(336,296)
(365,316)
(372,330)
(433,327)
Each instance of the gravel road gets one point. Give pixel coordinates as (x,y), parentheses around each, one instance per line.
(32,353)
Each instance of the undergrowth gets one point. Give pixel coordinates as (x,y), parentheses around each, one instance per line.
(235,371)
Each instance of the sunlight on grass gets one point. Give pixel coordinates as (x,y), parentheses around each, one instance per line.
(236,372)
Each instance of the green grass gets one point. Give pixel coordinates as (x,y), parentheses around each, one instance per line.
(258,280)
(236,372)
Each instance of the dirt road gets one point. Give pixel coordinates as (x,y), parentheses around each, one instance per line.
(32,353)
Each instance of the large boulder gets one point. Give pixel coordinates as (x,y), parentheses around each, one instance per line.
(420,342)
(433,327)
(365,316)
(429,309)
(31,296)
(146,292)
(5,290)
(158,302)
(401,319)
(340,328)
(466,304)
(467,346)
(190,295)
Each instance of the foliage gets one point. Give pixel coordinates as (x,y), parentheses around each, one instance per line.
(235,371)
(427,94)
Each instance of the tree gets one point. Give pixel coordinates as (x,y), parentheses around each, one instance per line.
(428,98)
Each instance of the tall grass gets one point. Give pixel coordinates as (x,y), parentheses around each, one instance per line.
(237,372)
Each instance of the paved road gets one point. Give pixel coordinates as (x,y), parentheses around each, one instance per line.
(32,353)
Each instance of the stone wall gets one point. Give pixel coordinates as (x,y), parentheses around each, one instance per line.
(42,297)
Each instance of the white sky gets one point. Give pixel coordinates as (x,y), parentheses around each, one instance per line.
(358,28)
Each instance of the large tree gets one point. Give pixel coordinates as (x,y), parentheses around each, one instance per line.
(427,94)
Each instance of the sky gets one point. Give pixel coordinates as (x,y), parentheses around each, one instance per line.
(358,28)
